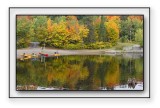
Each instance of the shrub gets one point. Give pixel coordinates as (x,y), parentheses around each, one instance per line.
(124,39)
(75,46)
(99,45)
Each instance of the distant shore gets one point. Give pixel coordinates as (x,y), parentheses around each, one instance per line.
(51,51)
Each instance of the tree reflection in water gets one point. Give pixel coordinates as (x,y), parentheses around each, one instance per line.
(80,73)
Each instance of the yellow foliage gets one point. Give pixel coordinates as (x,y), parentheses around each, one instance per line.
(83,31)
(49,26)
(112,30)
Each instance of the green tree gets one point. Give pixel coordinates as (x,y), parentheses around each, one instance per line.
(91,38)
(129,27)
(40,28)
(102,30)
(24,31)
(139,36)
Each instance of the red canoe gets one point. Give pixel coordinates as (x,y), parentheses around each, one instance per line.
(44,54)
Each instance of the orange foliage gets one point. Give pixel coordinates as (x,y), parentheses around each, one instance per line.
(136,17)
(113,18)
(72,23)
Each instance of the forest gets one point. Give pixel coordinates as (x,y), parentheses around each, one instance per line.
(79,31)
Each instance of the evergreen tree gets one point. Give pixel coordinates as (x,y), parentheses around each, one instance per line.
(88,20)
(102,30)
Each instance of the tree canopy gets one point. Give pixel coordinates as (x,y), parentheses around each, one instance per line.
(79,31)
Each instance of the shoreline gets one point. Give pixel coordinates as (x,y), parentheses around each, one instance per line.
(62,52)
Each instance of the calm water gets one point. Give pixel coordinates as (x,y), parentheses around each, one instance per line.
(84,72)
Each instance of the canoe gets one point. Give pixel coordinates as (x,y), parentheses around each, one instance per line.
(34,55)
(56,54)
(26,57)
(44,54)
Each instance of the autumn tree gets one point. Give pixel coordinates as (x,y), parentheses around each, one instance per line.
(73,28)
(49,27)
(59,35)
(115,19)
(79,31)
(112,31)
(65,32)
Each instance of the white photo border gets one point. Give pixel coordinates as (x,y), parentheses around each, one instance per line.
(13,11)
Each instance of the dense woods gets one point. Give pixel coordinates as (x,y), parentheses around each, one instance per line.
(79,32)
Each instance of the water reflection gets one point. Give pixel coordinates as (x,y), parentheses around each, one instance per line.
(91,72)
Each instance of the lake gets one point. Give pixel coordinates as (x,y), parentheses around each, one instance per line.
(80,72)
